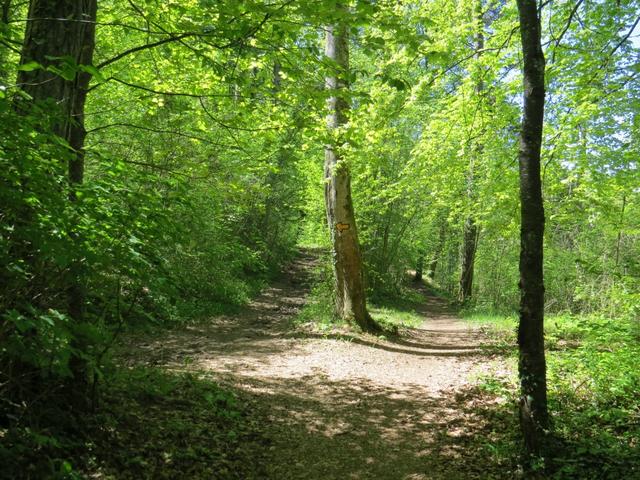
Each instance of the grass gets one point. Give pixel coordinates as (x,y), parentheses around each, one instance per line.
(493,321)
(318,309)
(389,316)
(500,328)
(390,313)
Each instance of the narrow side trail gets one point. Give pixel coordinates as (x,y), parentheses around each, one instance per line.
(348,406)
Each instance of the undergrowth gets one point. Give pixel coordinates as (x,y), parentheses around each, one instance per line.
(149,424)
(389,311)
(593,381)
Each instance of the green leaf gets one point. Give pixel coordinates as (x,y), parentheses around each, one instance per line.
(93,71)
(29,66)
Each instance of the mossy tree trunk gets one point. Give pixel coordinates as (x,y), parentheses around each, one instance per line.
(5,19)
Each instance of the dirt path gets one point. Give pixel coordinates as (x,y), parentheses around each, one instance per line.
(348,406)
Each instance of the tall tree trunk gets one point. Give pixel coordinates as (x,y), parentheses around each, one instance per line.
(534,417)
(419,268)
(61,34)
(470,229)
(469,246)
(347,262)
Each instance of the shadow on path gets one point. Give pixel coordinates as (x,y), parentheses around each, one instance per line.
(322,429)
(348,405)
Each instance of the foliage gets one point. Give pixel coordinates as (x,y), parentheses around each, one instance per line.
(149,424)
(593,380)
(182,212)
(318,309)
(203,172)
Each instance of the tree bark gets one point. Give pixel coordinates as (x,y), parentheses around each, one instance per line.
(534,417)
(470,229)
(442,236)
(5,18)
(419,268)
(347,261)
(620,229)
(469,247)
(60,34)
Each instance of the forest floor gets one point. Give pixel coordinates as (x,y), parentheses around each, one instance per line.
(343,405)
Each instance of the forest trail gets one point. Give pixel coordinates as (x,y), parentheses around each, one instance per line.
(343,405)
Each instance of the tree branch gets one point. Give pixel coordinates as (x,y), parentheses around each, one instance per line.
(626,37)
(144,47)
(230,127)
(163,131)
(566,28)
(163,92)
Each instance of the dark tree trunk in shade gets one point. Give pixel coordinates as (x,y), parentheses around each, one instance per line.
(419,268)
(5,18)
(442,237)
(534,417)
(60,31)
(469,246)
(347,262)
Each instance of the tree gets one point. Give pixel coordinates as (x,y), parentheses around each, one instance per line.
(347,261)
(435,257)
(470,228)
(5,46)
(534,418)
(55,70)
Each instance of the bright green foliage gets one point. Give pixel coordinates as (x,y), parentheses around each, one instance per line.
(35,255)
(414,134)
(206,133)
(594,386)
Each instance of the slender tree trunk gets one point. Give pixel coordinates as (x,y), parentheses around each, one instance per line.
(5,17)
(6,10)
(620,228)
(350,292)
(470,229)
(419,268)
(61,33)
(384,252)
(277,77)
(271,199)
(534,417)
(431,274)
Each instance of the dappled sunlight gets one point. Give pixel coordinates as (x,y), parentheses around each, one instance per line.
(259,342)
(333,430)
(342,404)
(316,240)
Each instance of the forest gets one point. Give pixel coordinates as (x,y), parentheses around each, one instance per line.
(320,239)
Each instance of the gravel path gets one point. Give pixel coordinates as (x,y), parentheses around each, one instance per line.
(343,405)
